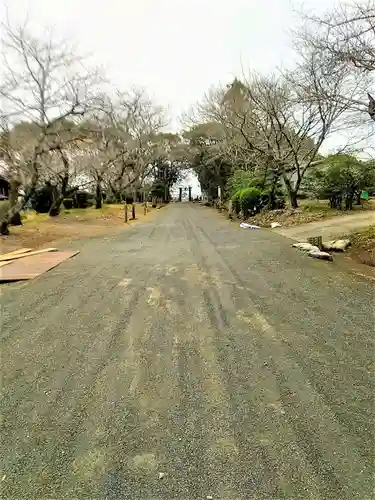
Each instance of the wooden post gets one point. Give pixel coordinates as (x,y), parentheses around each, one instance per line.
(145,208)
(126,213)
(133,211)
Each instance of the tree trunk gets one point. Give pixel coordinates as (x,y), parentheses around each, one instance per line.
(15,219)
(13,194)
(4,228)
(272,196)
(98,196)
(34,167)
(54,211)
(292,192)
(293,198)
(349,202)
(5,220)
(58,197)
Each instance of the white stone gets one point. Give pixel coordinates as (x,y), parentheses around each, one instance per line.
(320,255)
(306,247)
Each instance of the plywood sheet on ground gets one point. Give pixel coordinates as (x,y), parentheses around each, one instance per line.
(22,255)
(20,251)
(32,266)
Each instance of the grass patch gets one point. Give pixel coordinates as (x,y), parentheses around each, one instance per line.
(39,230)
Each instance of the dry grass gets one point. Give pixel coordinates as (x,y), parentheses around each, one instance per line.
(40,229)
(323,206)
(363,246)
(308,211)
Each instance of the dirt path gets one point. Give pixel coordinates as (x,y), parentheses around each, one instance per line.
(221,358)
(330,228)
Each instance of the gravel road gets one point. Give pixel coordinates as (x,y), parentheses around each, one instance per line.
(186,358)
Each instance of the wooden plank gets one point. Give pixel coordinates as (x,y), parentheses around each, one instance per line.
(15,252)
(32,266)
(4,263)
(35,252)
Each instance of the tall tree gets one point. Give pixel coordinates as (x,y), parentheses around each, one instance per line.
(281,122)
(210,156)
(45,83)
(120,149)
(169,163)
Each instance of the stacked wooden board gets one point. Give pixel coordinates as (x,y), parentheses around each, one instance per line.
(26,264)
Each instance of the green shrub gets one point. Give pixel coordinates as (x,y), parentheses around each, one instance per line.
(68,203)
(249,200)
(159,190)
(241,179)
(112,199)
(82,199)
(42,199)
(236,201)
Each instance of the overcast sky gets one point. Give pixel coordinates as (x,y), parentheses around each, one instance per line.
(175,49)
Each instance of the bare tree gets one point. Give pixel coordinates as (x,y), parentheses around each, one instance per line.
(45,84)
(121,129)
(281,122)
(346,37)
(62,168)
(144,121)
(347,33)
